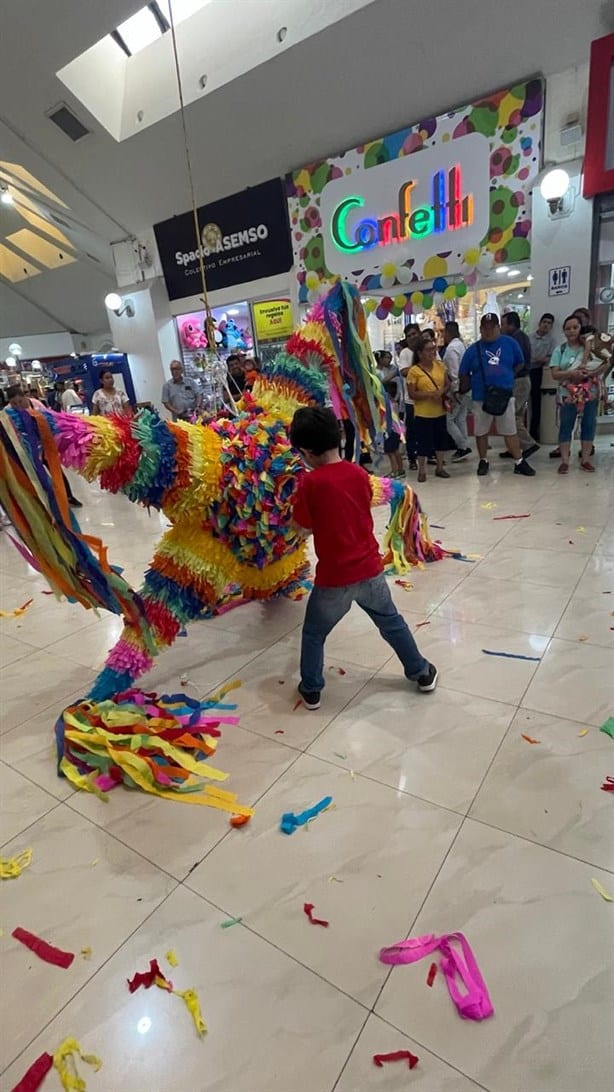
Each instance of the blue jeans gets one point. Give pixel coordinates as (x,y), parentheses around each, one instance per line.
(327,606)
(567,420)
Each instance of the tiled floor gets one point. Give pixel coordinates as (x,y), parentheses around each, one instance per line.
(445,819)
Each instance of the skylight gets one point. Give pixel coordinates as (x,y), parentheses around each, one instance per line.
(140,30)
(151,22)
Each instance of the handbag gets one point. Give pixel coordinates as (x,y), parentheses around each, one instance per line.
(496,399)
(445,401)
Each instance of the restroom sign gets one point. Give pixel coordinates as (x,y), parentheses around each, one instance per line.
(559,280)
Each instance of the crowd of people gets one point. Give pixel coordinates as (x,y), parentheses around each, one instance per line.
(498,379)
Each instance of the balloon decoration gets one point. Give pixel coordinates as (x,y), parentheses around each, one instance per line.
(408,303)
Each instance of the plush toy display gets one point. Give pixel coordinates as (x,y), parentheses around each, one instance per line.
(227,488)
(192,335)
(232,337)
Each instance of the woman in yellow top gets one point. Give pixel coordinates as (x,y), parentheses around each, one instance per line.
(427,385)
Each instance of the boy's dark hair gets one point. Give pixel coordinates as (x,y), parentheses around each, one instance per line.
(548,315)
(13,391)
(314,429)
(452,328)
(513,319)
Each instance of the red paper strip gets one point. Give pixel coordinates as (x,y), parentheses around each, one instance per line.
(43,950)
(35,1075)
(308,909)
(418,624)
(530,739)
(148,978)
(297,704)
(239,820)
(24,606)
(46,592)
(397,1056)
(279,732)
(608,784)
(525,515)
(430,978)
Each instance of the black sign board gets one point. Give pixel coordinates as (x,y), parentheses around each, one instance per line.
(243,238)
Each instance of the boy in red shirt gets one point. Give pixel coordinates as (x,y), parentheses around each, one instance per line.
(334,503)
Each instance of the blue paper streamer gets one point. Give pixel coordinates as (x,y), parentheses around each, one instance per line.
(512,655)
(290,821)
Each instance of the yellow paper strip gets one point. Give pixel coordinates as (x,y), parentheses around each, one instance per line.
(190,1000)
(11,867)
(602,891)
(172,958)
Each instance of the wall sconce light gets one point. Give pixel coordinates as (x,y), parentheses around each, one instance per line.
(5,194)
(114,302)
(553,188)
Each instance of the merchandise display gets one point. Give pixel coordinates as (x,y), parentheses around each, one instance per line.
(226,486)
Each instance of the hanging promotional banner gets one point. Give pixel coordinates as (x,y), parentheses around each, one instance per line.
(242,238)
(383,216)
(272,319)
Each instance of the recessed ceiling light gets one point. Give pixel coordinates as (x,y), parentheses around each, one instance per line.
(233,311)
(502,269)
(513,273)
(281,34)
(6,197)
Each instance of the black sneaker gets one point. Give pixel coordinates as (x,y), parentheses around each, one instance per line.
(413,464)
(580,453)
(483,467)
(427,683)
(523,468)
(505,455)
(555,454)
(530,451)
(311,699)
(460,454)
(74,503)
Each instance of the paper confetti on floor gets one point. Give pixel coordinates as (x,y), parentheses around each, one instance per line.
(525,515)
(396,1056)
(35,1075)
(18,611)
(289,821)
(308,909)
(231,921)
(47,952)
(602,891)
(12,867)
(511,655)
(608,727)
(530,739)
(171,958)
(584,732)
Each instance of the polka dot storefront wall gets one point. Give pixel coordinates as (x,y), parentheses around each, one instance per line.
(511,121)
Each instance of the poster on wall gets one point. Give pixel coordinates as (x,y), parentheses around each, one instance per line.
(382,215)
(242,238)
(272,319)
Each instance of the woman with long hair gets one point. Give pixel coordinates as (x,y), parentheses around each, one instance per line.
(579,377)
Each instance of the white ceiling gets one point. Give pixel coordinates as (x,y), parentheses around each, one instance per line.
(373,71)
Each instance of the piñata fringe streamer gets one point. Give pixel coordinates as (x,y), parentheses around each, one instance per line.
(160,745)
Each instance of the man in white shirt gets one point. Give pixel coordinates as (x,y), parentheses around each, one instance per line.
(406,359)
(70,398)
(457,418)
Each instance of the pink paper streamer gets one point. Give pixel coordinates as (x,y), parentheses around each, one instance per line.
(472,1004)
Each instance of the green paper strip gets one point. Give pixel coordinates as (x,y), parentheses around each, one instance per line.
(231,921)
(608,727)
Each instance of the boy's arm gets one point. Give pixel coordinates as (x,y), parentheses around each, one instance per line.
(301,517)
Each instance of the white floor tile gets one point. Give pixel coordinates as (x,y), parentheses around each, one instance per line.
(287,1003)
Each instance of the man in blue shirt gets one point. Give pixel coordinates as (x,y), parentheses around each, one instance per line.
(492,362)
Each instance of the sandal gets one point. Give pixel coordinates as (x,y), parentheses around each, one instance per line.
(585,465)
(563,468)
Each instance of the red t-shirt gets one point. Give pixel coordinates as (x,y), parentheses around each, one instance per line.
(334,501)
